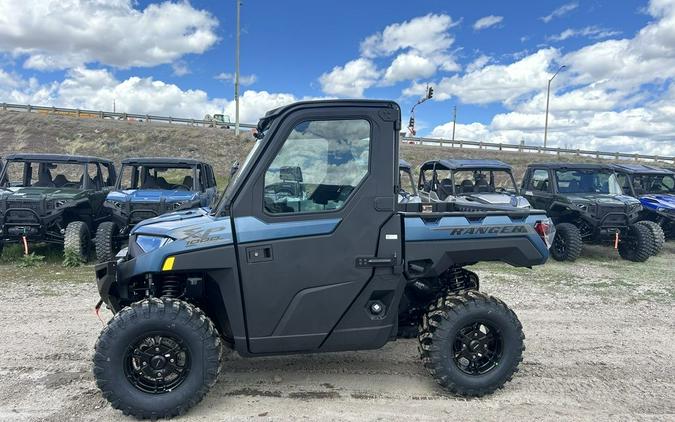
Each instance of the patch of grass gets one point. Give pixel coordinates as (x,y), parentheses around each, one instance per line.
(30,260)
(71,258)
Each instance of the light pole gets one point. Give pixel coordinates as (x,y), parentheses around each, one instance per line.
(428,94)
(548,94)
(236,75)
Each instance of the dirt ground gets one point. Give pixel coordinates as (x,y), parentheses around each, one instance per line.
(599,347)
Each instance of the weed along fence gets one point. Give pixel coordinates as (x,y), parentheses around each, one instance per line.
(446,143)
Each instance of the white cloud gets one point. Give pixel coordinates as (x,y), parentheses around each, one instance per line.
(351,79)
(560,11)
(180,68)
(487,21)
(496,82)
(409,66)
(478,63)
(592,32)
(60,34)
(427,35)
(244,80)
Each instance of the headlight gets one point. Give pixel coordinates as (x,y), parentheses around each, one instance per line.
(57,203)
(582,207)
(150,243)
(176,205)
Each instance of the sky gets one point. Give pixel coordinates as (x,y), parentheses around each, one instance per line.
(491,59)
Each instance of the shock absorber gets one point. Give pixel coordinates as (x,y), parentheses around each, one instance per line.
(455,279)
(171,286)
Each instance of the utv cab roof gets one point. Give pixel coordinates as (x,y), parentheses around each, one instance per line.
(640,169)
(403,164)
(466,165)
(572,166)
(161,161)
(57,158)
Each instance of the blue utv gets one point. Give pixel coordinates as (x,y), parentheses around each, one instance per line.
(655,188)
(148,188)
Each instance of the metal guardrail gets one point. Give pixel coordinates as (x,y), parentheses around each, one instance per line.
(74,112)
(536,149)
(415,140)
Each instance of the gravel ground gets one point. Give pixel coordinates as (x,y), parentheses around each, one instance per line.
(599,347)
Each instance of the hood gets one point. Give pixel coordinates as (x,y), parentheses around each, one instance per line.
(169,224)
(151,195)
(658,201)
(35,193)
(601,199)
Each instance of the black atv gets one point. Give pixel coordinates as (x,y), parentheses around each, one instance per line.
(54,199)
(587,204)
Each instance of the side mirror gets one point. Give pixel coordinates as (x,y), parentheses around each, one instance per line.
(234,168)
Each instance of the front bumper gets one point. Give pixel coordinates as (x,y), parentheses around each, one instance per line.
(106,281)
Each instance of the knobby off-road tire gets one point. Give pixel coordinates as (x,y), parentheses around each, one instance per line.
(106,242)
(657,232)
(637,244)
(77,239)
(162,337)
(567,243)
(495,343)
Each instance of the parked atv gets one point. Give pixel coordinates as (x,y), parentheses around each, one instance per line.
(587,204)
(469,182)
(655,188)
(406,183)
(54,199)
(308,252)
(147,188)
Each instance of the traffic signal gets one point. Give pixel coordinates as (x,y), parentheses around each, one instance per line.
(430,92)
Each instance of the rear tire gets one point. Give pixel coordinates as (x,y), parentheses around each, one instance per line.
(471,343)
(106,243)
(157,358)
(637,244)
(567,243)
(657,232)
(77,240)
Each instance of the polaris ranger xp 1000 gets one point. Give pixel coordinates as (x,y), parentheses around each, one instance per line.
(587,204)
(54,198)
(147,188)
(309,251)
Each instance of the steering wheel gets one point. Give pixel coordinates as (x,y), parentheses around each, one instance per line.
(71,185)
(180,187)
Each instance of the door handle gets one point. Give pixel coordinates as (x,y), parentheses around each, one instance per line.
(259,254)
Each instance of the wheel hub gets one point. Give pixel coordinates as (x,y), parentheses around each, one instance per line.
(157,363)
(477,348)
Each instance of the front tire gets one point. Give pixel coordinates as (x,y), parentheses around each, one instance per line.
(77,240)
(106,243)
(637,244)
(157,358)
(471,343)
(657,233)
(567,243)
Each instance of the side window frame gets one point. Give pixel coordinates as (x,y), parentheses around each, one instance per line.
(289,130)
(532,179)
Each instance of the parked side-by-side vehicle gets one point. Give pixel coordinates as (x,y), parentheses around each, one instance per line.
(655,188)
(588,204)
(147,188)
(54,198)
(308,250)
(487,182)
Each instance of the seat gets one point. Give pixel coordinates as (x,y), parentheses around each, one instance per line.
(60,180)
(188,181)
(444,188)
(482,185)
(467,186)
(44,180)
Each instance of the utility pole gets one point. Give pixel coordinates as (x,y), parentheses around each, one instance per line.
(548,94)
(236,73)
(113,106)
(454,121)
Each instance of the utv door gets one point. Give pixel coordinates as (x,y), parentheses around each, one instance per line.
(315,202)
(538,189)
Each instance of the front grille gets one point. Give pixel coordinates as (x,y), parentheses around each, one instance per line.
(31,205)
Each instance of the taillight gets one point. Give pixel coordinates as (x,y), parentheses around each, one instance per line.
(546,231)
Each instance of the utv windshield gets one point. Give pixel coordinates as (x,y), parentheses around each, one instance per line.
(406,183)
(588,181)
(233,178)
(483,181)
(164,177)
(44,174)
(654,183)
